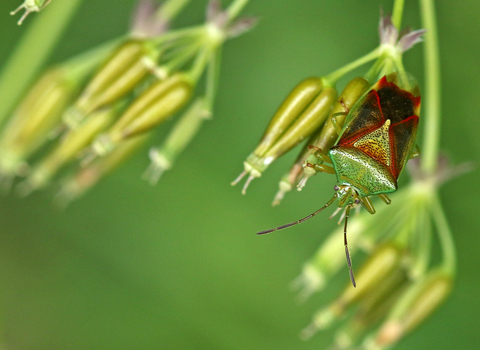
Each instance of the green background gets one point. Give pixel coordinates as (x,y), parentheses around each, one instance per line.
(178,266)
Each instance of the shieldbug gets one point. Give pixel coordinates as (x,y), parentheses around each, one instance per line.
(376,141)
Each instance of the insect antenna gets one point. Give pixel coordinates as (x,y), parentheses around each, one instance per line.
(299,221)
(347,253)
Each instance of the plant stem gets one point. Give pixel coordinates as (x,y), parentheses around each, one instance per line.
(213,73)
(32,52)
(446,240)
(235,8)
(397,13)
(432,90)
(170,9)
(333,77)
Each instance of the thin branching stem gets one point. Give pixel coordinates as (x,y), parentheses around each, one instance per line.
(32,52)
(235,8)
(333,77)
(397,12)
(170,9)
(445,235)
(432,104)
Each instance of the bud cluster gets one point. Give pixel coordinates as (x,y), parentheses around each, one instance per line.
(92,111)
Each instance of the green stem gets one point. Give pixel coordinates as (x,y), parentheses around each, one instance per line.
(445,235)
(213,73)
(333,77)
(170,9)
(397,13)
(432,90)
(179,34)
(199,64)
(32,52)
(235,8)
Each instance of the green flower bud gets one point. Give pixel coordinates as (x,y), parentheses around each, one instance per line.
(310,120)
(378,266)
(328,136)
(127,66)
(417,303)
(30,6)
(373,307)
(303,112)
(67,151)
(328,259)
(36,116)
(290,109)
(152,107)
(88,176)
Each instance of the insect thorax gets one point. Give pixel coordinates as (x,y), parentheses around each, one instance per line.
(356,169)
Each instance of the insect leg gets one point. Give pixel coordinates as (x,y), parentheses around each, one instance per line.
(321,168)
(336,126)
(385,198)
(299,221)
(318,152)
(347,253)
(367,204)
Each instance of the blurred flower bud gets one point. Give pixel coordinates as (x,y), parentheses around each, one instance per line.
(415,305)
(75,186)
(152,107)
(303,111)
(373,307)
(34,119)
(127,66)
(67,150)
(374,271)
(30,6)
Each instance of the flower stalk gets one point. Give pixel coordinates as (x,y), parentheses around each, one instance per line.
(32,52)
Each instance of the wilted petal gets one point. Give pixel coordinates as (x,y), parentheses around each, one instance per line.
(410,39)
(213,10)
(241,26)
(145,23)
(387,31)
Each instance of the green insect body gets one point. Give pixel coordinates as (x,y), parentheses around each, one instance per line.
(377,140)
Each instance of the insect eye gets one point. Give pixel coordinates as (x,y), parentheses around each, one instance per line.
(357,201)
(336,188)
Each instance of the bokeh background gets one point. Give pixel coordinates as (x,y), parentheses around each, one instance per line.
(178,266)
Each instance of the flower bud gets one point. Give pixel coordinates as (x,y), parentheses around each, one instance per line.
(30,6)
(290,109)
(328,136)
(120,74)
(378,266)
(415,305)
(373,307)
(34,119)
(303,112)
(152,107)
(329,258)
(68,149)
(88,176)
